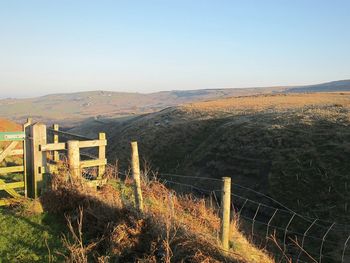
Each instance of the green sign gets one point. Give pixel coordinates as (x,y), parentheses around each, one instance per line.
(12,136)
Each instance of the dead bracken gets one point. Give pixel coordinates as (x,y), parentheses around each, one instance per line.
(106,227)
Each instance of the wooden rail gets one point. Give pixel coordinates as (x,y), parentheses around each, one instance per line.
(11,169)
(73,151)
(11,185)
(93,163)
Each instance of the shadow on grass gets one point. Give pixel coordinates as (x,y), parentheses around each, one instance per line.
(124,234)
(101,218)
(29,238)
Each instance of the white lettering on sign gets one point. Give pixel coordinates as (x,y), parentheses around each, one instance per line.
(14,136)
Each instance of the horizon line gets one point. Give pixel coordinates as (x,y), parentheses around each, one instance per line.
(173,90)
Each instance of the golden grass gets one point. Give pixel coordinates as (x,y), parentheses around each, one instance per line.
(272,101)
(7,125)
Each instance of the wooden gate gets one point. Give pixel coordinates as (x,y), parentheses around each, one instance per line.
(14,146)
(30,148)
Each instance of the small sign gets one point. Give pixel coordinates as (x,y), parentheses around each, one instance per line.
(12,136)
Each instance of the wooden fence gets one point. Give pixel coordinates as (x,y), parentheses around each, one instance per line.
(38,158)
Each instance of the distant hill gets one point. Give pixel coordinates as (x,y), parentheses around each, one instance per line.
(75,107)
(72,108)
(341,85)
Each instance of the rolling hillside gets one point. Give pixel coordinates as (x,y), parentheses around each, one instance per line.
(341,85)
(76,107)
(293,147)
(69,109)
(290,150)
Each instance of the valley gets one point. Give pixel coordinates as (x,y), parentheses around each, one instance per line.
(280,145)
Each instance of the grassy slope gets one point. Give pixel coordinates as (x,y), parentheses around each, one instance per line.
(294,148)
(283,145)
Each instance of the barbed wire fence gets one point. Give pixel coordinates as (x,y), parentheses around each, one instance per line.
(302,238)
(266,221)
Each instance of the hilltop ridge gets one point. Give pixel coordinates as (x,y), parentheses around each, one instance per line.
(73,108)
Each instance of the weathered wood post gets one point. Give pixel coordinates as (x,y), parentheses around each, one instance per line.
(38,159)
(101,155)
(74,158)
(136,175)
(55,140)
(225,212)
(26,154)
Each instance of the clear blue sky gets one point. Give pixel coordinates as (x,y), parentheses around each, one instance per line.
(145,46)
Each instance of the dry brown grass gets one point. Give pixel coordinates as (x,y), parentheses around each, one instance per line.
(270,101)
(171,229)
(7,125)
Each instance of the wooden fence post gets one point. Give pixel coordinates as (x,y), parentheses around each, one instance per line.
(26,154)
(101,155)
(74,158)
(38,159)
(56,157)
(225,212)
(136,175)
